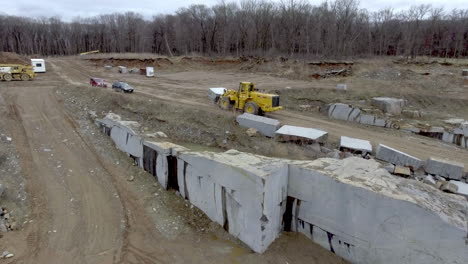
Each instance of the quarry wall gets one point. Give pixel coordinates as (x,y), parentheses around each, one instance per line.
(351,207)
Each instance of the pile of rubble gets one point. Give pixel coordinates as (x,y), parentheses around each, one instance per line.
(7,222)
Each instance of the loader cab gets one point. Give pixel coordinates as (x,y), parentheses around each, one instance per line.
(246,87)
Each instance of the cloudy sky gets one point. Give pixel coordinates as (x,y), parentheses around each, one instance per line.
(67,9)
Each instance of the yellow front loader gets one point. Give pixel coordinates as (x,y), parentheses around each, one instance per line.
(10,72)
(249,99)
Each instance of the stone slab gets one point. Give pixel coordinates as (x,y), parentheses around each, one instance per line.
(444,168)
(356,144)
(303,132)
(265,126)
(397,157)
(389,105)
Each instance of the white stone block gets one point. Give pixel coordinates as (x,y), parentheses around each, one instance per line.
(303,132)
(343,112)
(356,144)
(365,215)
(264,125)
(367,119)
(243,191)
(462,187)
(447,137)
(397,157)
(448,169)
(389,105)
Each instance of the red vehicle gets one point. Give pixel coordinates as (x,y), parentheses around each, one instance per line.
(99,82)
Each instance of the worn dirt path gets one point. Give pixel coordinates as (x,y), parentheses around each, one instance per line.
(190,89)
(83,210)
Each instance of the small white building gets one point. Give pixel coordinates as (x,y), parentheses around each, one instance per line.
(38,65)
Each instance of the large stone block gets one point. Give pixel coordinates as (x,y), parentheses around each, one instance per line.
(397,157)
(448,169)
(303,133)
(389,105)
(124,136)
(355,144)
(243,192)
(264,125)
(343,112)
(360,212)
(159,159)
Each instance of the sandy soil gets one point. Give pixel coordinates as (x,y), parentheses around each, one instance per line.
(84,210)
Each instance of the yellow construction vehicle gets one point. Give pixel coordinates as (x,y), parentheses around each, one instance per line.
(249,99)
(10,72)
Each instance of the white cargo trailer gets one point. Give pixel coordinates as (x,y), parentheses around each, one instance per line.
(38,65)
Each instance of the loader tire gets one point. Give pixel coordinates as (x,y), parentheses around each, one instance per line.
(225,103)
(25,77)
(251,108)
(7,77)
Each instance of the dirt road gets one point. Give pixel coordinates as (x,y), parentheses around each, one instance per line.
(189,89)
(84,210)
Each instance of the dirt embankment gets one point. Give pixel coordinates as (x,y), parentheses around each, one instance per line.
(13,58)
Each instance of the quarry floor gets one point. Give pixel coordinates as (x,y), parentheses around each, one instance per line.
(84,207)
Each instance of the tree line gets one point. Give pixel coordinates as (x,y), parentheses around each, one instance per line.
(336,28)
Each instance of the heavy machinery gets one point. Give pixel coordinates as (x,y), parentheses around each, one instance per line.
(249,99)
(10,72)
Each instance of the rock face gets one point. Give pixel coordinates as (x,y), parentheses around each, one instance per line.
(2,189)
(444,168)
(360,212)
(265,126)
(397,157)
(389,105)
(304,133)
(355,144)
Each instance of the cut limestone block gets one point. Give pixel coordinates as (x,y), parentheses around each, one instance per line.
(449,187)
(354,144)
(302,133)
(244,193)
(367,119)
(264,125)
(122,69)
(159,160)
(389,105)
(215,93)
(341,87)
(124,136)
(397,157)
(462,187)
(343,112)
(448,169)
(357,210)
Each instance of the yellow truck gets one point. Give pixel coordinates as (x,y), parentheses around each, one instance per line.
(249,99)
(10,72)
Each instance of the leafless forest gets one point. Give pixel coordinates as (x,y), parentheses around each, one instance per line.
(338,28)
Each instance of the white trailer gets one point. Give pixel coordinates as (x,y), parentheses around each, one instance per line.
(38,65)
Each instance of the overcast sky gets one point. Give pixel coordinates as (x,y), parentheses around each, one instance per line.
(67,9)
